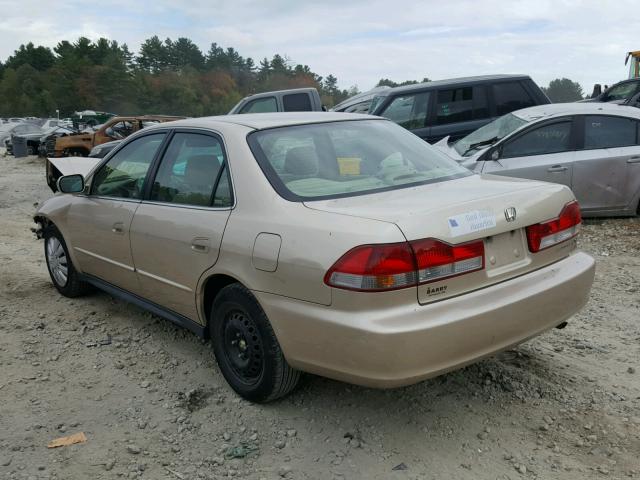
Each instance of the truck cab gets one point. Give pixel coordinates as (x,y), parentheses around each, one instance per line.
(294,100)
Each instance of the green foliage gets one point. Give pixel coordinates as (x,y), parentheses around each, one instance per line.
(563,90)
(385,82)
(165,77)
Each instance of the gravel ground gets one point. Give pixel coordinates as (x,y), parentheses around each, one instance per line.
(152,403)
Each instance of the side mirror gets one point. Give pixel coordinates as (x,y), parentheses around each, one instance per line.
(597,90)
(494,154)
(71,183)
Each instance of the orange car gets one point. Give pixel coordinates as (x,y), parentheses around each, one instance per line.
(116,128)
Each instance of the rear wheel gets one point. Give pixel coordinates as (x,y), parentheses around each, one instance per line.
(247,349)
(63,275)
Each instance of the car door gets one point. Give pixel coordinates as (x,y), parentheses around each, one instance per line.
(177,230)
(607,167)
(541,152)
(98,223)
(410,110)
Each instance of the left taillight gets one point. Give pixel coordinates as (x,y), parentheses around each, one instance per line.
(552,232)
(375,268)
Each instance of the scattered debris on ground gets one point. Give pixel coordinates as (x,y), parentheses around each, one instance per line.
(154,405)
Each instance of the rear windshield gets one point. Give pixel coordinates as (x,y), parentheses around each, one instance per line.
(338,159)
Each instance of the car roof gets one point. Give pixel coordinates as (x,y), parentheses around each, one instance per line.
(453,81)
(259,121)
(578,108)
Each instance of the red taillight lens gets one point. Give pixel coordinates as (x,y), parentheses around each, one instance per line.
(374,268)
(437,260)
(399,265)
(547,234)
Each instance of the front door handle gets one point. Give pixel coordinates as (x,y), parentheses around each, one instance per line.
(635,159)
(557,168)
(118,228)
(200,244)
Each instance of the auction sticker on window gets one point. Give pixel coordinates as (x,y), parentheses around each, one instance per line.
(470,222)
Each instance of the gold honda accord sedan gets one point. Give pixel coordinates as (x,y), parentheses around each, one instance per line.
(336,244)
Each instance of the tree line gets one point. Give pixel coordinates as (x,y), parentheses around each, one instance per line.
(165,77)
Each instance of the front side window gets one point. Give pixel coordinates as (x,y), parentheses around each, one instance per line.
(510,96)
(296,102)
(455,105)
(552,138)
(609,132)
(261,105)
(408,111)
(123,175)
(190,170)
(329,160)
(621,92)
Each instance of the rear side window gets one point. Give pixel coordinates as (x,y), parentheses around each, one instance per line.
(408,111)
(261,105)
(296,102)
(609,132)
(510,96)
(552,138)
(190,171)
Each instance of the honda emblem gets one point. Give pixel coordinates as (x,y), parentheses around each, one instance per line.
(510,214)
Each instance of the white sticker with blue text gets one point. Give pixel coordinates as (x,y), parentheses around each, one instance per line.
(471,222)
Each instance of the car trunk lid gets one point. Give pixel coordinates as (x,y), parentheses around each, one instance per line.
(495,210)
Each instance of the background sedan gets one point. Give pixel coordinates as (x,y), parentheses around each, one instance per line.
(593,148)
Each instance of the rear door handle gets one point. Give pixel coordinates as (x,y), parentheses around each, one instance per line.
(200,244)
(557,168)
(118,228)
(635,159)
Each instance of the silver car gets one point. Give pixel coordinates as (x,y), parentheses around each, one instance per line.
(331,243)
(594,148)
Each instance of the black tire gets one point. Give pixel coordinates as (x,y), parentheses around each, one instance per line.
(68,285)
(254,365)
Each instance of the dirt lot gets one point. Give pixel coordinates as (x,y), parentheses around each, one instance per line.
(153,404)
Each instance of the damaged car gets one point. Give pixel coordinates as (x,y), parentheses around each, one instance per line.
(116,128)
(332,243)
(593,148)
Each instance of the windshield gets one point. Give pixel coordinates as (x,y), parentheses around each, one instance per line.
(377,100)
(489,134)
(329,160)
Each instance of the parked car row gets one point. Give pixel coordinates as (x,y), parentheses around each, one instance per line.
(332,243)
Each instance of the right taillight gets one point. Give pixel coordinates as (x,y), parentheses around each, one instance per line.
(374,268)
(552,232)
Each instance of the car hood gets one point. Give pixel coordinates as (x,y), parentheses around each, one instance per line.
(469,162)
(72,165)
(427,210)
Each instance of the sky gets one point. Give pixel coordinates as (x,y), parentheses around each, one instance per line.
(361,41)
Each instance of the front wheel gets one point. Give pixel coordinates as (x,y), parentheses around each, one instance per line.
(63,275)
(246,348)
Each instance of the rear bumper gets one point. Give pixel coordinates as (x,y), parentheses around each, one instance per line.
(400,346)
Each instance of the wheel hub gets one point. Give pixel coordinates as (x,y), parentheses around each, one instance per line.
(243,347)
(57,261)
